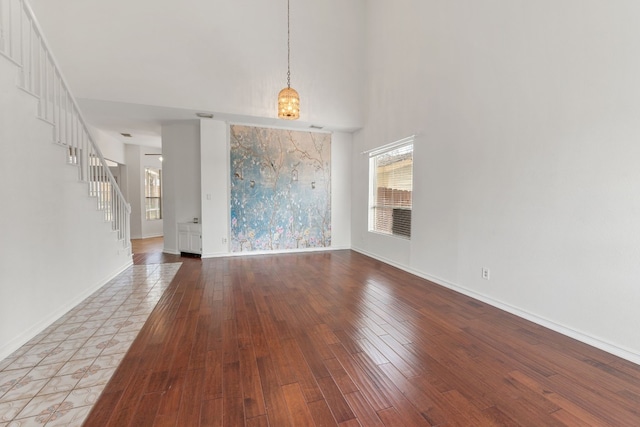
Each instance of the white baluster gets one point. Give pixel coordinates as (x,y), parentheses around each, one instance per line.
(24,43)
(2,29)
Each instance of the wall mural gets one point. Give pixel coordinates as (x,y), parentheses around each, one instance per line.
(280,189)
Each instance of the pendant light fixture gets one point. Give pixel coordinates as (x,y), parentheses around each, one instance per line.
(288,98)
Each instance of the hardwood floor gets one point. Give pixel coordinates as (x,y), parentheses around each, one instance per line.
(337,338)
(149,251)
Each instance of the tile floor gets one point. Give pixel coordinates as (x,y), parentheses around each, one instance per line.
(55,378)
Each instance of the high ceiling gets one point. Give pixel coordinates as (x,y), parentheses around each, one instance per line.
(135,65)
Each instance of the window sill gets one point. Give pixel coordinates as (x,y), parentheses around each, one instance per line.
(397,236)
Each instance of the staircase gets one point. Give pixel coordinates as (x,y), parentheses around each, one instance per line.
(23,44)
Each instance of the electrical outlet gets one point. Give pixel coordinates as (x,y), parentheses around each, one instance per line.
(224,240)
(485,273)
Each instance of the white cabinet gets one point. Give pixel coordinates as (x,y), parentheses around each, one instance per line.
(190,238)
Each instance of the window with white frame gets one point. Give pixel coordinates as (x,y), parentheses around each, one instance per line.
(153,193)
(391,188)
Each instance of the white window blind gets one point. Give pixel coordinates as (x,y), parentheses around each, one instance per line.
(391,183)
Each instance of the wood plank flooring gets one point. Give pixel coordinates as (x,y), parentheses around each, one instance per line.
(149,251)
(339,339)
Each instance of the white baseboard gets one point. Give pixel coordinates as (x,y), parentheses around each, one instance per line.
(23,338)
(275,252)
(616,350)
(152,235)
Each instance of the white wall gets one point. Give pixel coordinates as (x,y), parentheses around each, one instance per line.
(55,247)
(341,146)
(182,203)
(228,57)
(526,160)
(111,148)
(137,160)
(134,189)
(181,175)
(214,146)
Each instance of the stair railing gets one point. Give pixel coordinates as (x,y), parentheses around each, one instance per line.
(23,42)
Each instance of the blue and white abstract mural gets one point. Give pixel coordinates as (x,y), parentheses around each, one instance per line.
(280,189)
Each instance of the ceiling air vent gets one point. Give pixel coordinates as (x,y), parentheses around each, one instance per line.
(126,135)
(316,127)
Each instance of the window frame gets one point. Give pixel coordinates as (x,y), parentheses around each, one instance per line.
(148,194)
(374,202)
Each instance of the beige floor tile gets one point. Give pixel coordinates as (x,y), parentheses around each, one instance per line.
(107,329)
(81,332)
(19,352)
(85,396)
(77,319)
(9,378)
(26,422)
(73,418)
(118,316)
(71,331)
(73,366)
(109,360)
(101,315)
(100,377)
(6,362)
(93,324)
(59,384)
(46,371)
(9,410)
(86,353)
(60,374)
(138,318)
(61,356)
(25,388)
(120,347)
(43,405)
(25,361)
(96,340)
(54,337)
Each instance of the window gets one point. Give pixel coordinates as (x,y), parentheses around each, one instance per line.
(153,193)
(391,187)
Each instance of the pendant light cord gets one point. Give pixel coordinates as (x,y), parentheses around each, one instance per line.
(288,49)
